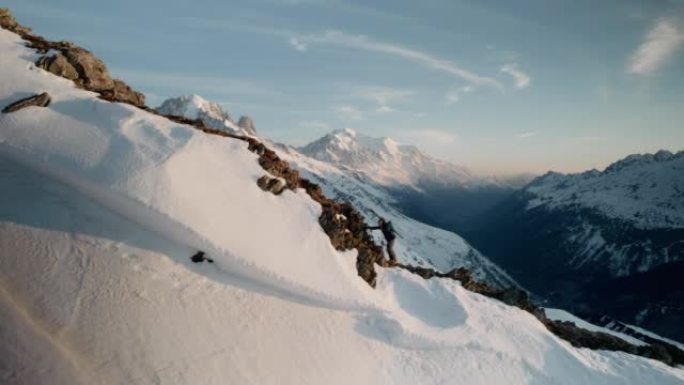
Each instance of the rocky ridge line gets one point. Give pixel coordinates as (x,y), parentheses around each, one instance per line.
(343,224)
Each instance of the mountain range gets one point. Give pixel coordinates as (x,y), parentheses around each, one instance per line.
(600,242)
(575,238)
(147,247)
(431,190)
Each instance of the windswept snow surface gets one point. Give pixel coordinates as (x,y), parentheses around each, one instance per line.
(101,205)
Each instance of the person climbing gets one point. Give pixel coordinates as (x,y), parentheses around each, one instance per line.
(390,235)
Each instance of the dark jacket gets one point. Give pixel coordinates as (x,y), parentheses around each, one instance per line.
(387,230)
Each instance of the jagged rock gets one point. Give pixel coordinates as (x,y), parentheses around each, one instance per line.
(58,65)
(40,100)
(515,297)
(257,147)
(89,72)
(247,124)
(271,184)
(270,162)
(93,73)
(8,22)
(124,93)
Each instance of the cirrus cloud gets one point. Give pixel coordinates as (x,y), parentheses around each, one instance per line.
(365,43)
(661,42)
(520,78)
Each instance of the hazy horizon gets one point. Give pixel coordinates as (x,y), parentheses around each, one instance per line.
(497,87)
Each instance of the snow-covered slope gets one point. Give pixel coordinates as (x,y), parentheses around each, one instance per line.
(100,207)
(383,160)
(211,113)
(645,190)
(417,242)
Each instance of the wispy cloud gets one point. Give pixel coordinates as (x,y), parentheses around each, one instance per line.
(302,42)
(525,135)
(298,45)
(454,95)
(348,113)
(365,43)
(520,78)
(660,43)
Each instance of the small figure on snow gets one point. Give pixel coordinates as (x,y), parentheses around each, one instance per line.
(390,235)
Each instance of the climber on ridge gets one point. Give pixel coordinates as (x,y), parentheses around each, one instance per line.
(390,235)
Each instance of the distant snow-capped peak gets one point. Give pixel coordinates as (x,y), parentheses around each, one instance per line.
(383,159)
(211,113)
(644,189)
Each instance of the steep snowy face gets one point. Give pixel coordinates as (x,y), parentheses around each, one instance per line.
(211,113)
(646,191)
(417,243)
(383,160)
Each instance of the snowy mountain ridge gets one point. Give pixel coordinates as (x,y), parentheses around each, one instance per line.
(644,190)
(211,113)
(419,244)
(611,239)
(105,202)
(384,160)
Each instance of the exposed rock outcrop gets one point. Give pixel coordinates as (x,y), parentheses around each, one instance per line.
(121,92)
(8,22)
(247,124)
(58,65)
(40,100)
(200,257)
(74,63)
(272,184)
(343,224)
(93,73)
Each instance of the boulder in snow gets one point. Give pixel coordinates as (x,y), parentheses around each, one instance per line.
(93,73)
(58,65)
(122,92)
(40,100)
(272,184)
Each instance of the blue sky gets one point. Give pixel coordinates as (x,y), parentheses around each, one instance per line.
(499,86)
